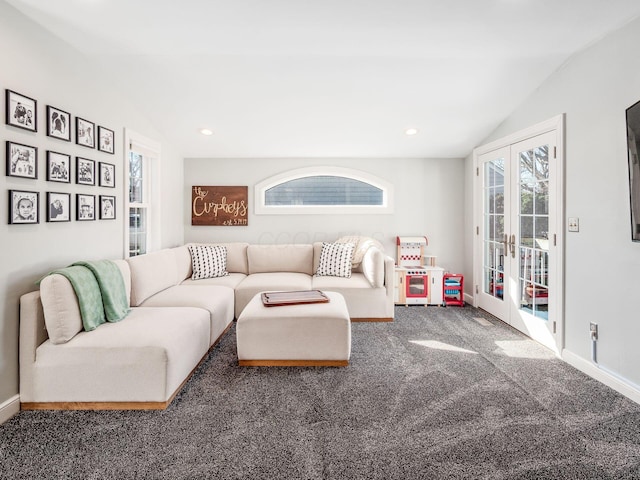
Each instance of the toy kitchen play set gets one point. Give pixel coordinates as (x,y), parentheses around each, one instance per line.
(419,281)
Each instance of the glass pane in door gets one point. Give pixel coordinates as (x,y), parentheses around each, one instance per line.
(494,235)
(533,245)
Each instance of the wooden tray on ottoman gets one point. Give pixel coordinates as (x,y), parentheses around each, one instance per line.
(298,297)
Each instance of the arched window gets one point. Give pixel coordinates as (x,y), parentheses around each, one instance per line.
(323,190)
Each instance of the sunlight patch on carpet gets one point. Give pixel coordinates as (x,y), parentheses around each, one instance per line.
(483,321)
(441,346)
(524,349)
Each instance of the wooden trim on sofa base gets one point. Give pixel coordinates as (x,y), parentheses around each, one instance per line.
(109,405)
(95,405)
(376,319)
(293,363)
(119,405)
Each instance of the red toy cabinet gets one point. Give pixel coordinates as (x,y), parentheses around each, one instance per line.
(453,289)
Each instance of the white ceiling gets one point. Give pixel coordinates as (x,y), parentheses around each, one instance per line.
(328,78)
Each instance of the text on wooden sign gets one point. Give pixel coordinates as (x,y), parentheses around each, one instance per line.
(227,206)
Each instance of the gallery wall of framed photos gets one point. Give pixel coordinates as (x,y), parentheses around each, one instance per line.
(89,172)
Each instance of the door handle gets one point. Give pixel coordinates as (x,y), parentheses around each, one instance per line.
(506,244)
(512,244)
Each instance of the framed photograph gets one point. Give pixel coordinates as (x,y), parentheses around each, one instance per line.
(22,160)
(85,133)
(85,171)
(107,207)
(107,174)
(58,167)
(106,139)
(85,207)
(23,207)
(58,207)
(21,111)
(58,123)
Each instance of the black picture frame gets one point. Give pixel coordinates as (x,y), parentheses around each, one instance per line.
(58,207)
(85,207)
(58,123)
(58,167)
(22,160)
(85,133)
(106,139)
(21,111)
(106,175)
(85,171)
(107,207)
(24,207)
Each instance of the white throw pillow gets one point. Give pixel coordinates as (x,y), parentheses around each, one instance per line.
(361,245)
(208,261)
(335,260)
(61,310)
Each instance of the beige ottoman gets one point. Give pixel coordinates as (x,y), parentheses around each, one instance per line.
(314,334)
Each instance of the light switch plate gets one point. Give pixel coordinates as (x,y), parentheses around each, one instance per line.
(574,224)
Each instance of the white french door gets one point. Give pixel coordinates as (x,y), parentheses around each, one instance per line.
(495,173)
(518,255)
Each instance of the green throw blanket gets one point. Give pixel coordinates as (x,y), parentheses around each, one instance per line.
(114,296)
(85,285)
(100,289)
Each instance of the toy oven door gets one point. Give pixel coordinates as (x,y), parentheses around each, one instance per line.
(416,286)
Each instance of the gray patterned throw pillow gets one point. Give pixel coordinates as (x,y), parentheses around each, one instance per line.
(208,261)
(335,260)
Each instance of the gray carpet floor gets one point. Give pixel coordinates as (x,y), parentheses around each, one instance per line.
(433,395)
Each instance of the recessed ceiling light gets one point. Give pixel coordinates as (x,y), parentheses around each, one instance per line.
(206,131)
(411,131)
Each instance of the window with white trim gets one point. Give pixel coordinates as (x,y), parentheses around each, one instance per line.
(142,227)
(323,190)
(138,204)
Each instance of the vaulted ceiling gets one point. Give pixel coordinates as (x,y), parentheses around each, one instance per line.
(328,78)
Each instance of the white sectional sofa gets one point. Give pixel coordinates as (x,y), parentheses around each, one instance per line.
(141,362)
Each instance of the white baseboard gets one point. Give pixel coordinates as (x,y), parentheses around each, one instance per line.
(468,299)
(591,369)
(9,408)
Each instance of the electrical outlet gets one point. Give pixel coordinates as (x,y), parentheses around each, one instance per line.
(574,224)
(593,328)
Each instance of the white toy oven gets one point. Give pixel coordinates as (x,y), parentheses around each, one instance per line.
(418,280)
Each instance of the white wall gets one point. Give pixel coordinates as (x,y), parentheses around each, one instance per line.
(40,66)
(602,274)
(428,201)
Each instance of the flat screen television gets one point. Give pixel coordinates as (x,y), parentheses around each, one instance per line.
(633,148)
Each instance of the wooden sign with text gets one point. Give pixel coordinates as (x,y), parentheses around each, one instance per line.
(226,206)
